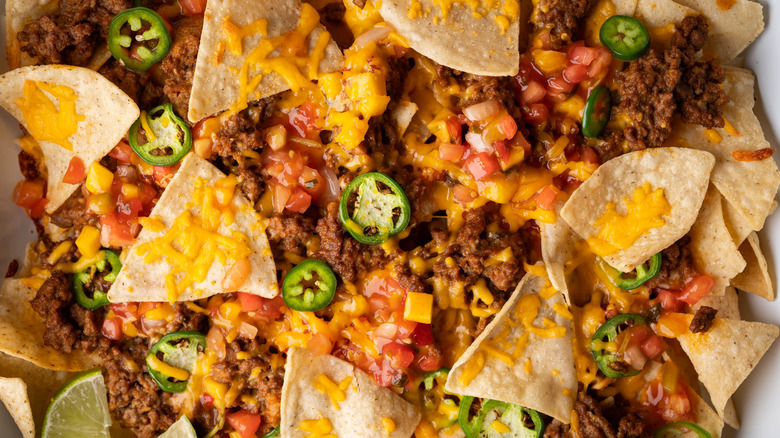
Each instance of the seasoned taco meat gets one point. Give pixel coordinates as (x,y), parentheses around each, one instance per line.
(73,35)
(179,64)
(560,21)
(138,85)
(703,319)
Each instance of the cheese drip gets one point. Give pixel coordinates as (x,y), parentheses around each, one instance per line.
(193,243)
(47,121)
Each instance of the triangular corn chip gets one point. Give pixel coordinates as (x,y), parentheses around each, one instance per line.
(726,354)
(727,304)
(731,28)
(749,186)
(559,245)
(13,393)
(712,247)
(755,278)
(660,13)
(682,174)
(217,83)
(531,367)
(142,280)
(21,332)
(324,387)
(106,114)
(459,37)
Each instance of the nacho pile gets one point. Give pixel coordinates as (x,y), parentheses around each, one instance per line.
(398,218)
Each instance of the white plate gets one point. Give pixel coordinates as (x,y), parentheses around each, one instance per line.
(756,400)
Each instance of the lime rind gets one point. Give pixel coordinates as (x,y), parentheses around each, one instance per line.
(180,429)
(79,408)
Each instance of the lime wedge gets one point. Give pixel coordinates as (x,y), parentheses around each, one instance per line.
(180,429)
(79,409)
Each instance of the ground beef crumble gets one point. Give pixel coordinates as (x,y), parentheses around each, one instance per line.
(179,64)
(703,319)
(559,21)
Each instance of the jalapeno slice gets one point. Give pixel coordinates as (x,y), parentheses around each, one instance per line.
(179,351)
(379,208)
(626,37)
(86,279)
(643,274)
(609,333)
(273,433)
(439,406)
(521,422)
(303,292)
(144,42)
(168,138)
(681,429)
(598,109)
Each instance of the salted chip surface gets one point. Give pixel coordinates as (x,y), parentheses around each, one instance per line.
(238,40)
(483,42)
(727,353)
(524,362)
(733,25)
(158,268)
(559,245)
(681,174)
(659,13)
(22,331)
(749,186)
(86,118)
(755,277)
(713,250)
(320,390)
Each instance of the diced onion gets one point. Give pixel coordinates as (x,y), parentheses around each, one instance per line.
(371,36)
(482,111)
(215,341)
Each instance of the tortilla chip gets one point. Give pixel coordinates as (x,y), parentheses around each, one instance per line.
(712,248)
(548,384)
(727,304)
(735,222)
(659,13)
(108,113)
(460,40)
(683,174)
(20,379)
(216,83)
(726,354)
(402,115)
(21,332)
(755,278)
(142,281)
(360,414)
(731,29)
(559,244)
(750,186)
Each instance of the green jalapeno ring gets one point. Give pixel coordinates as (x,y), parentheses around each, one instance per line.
(273,433)
(597,111)
(609,330)
(431,399)
(626,37)
(178,356)
(374,209)
(166,136)
(643,274)
(120,44)
(80,279)
(513,416)
(677,429)
(306,299)
(439,376)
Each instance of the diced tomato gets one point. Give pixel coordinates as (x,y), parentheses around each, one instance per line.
(383,285)
(245,423)
(319,344)
(481,165)
(575,73)
(117,230)
(193,7)
(268,308)
(112,329)
(582,55)
(312,182)
(281,195)
(148,196)
(128,312)
(197,130)
(384,374)
(122,152)
(652,346)
(455,129)
(423,335)
(533,92)
(558,85)
(406,328)
(29,195)
(502,151)
(508,126)
(163,175)
(399,355)
(696,288)
(207,400)
(589,156)
(679,403)
(669,301)
(76,172)
(298,201)
(536,114)
(429,362)
(601,63)
(463,194)
(303,119)
(451,151)
(546,197)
